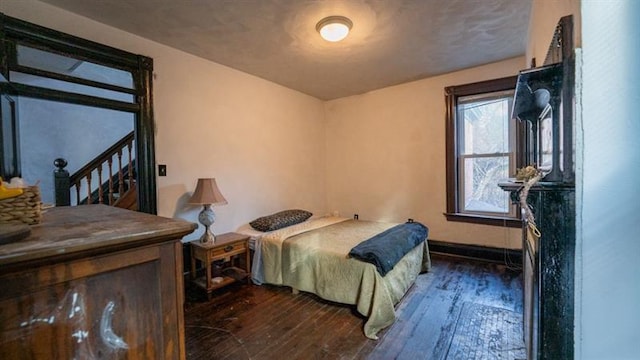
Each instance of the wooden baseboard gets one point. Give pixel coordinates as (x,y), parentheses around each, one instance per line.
(476,252)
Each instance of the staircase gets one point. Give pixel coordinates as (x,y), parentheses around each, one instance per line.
(129,200)
(103,180)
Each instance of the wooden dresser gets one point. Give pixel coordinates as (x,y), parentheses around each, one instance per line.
(94,282)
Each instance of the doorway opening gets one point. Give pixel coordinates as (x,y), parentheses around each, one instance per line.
(63,97)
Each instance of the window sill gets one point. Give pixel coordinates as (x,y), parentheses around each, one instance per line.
(484,220)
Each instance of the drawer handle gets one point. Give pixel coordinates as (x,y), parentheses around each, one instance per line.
(110,339)
(228,248)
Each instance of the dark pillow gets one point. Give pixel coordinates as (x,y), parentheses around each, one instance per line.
(280,219)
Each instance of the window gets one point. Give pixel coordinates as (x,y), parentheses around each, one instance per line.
(481,143)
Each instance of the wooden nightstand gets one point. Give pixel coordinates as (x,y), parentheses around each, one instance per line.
(228,248)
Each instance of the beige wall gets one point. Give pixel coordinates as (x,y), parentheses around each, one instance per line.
(379,154)
(262,142)
(386,156)
(545,15)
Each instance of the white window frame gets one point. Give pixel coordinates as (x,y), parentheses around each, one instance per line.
(510,155)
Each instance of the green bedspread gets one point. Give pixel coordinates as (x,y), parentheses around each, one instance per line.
(314,258)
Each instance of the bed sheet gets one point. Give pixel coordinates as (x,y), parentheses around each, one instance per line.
(255,240)
(315,259)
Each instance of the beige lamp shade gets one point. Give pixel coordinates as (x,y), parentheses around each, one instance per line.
(207,192)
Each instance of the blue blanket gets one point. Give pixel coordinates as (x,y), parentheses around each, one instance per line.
(387,248)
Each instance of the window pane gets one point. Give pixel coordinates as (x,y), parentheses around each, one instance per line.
(485,123)
(44,60)
(480,184)
(53,84)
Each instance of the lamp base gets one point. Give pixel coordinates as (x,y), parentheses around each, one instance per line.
(206,218)
(208,237)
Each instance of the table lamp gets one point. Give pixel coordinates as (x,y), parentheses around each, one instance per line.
(207,194)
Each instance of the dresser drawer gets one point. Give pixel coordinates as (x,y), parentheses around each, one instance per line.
(230,249)
(230,252)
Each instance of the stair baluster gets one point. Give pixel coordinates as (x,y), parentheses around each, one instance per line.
(64,182)
(77,185)
(129,146)
(88,177)
(110,163)
(100,191)
(120,177)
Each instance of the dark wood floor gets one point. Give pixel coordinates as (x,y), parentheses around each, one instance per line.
(267,322)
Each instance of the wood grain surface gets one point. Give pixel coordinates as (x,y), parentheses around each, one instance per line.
(269,322)
(67,232)
(94,282)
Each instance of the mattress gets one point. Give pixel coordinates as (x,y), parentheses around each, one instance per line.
(313,257)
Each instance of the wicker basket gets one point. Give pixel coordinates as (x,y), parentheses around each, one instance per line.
(22,209)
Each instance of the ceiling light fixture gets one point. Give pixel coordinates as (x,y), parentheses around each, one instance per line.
(334,28)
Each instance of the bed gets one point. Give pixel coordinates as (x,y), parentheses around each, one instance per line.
(312,256)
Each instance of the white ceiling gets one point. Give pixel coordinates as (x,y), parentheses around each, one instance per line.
(392,41)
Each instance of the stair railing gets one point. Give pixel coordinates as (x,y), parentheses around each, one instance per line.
(82,179)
